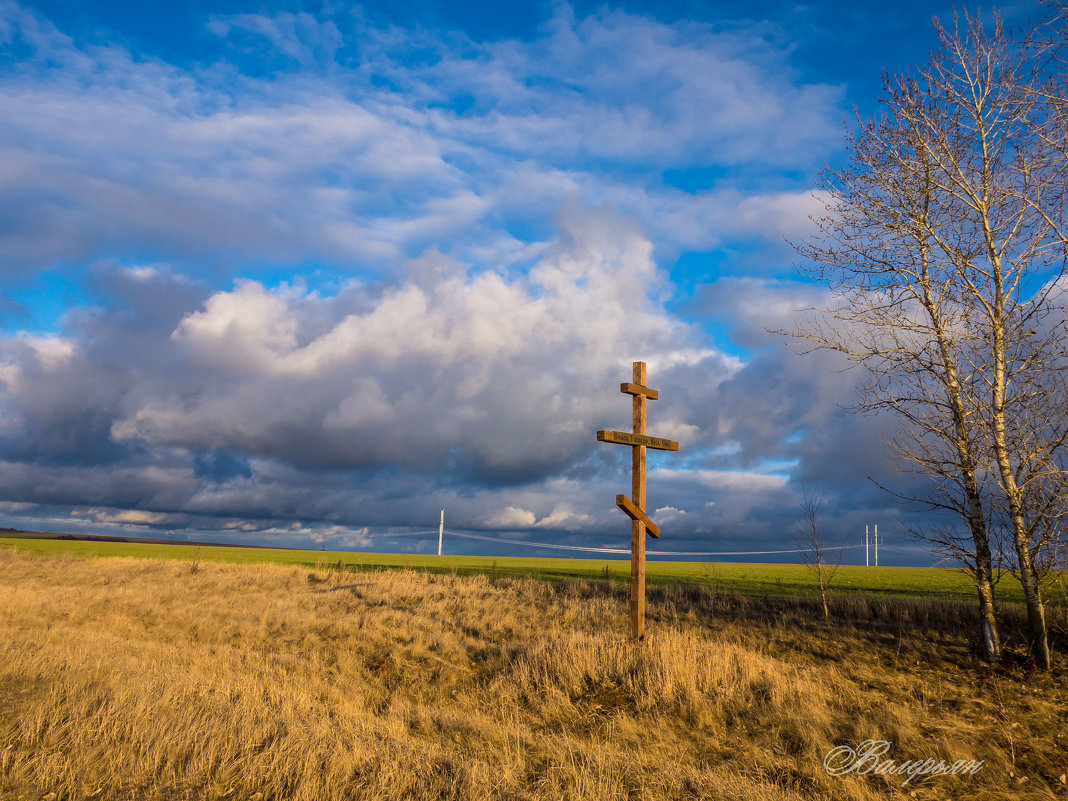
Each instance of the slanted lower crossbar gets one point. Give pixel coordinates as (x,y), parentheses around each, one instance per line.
(634,513)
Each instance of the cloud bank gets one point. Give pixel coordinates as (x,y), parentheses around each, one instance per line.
(368,147)
(347,275)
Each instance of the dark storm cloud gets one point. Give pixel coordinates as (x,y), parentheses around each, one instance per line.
(477,393)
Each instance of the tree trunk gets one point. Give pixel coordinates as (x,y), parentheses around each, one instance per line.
(823,594)
(1036,613)
(988,623)
(984,569)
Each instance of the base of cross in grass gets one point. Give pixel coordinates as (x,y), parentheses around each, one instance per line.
(634,507)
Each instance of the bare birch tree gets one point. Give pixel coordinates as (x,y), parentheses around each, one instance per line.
(821,558)
(942,243)
(996,167)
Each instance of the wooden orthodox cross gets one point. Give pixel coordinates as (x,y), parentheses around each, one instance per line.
(634,507)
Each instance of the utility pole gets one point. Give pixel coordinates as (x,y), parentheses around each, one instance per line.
(876,544)
(867,562)
(441,530)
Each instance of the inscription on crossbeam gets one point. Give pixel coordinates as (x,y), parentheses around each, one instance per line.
(625,438)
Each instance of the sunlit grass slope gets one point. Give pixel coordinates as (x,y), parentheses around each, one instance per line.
(752,579)
(137,679)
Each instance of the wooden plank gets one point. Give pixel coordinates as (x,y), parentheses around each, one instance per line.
(632,511)
(638,389)
(625,438)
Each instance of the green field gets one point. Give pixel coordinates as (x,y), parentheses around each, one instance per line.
(745,579)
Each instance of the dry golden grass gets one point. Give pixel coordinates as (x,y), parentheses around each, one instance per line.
(136,679)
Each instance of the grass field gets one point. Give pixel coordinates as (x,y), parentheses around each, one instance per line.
(748,579)
(151,679)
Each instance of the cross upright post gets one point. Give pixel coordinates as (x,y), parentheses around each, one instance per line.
(637,497)
(634,507)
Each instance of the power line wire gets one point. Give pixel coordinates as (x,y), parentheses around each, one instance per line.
(537,544)
(621,551)
(556,546)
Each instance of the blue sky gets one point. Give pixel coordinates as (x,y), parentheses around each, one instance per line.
(308,273)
